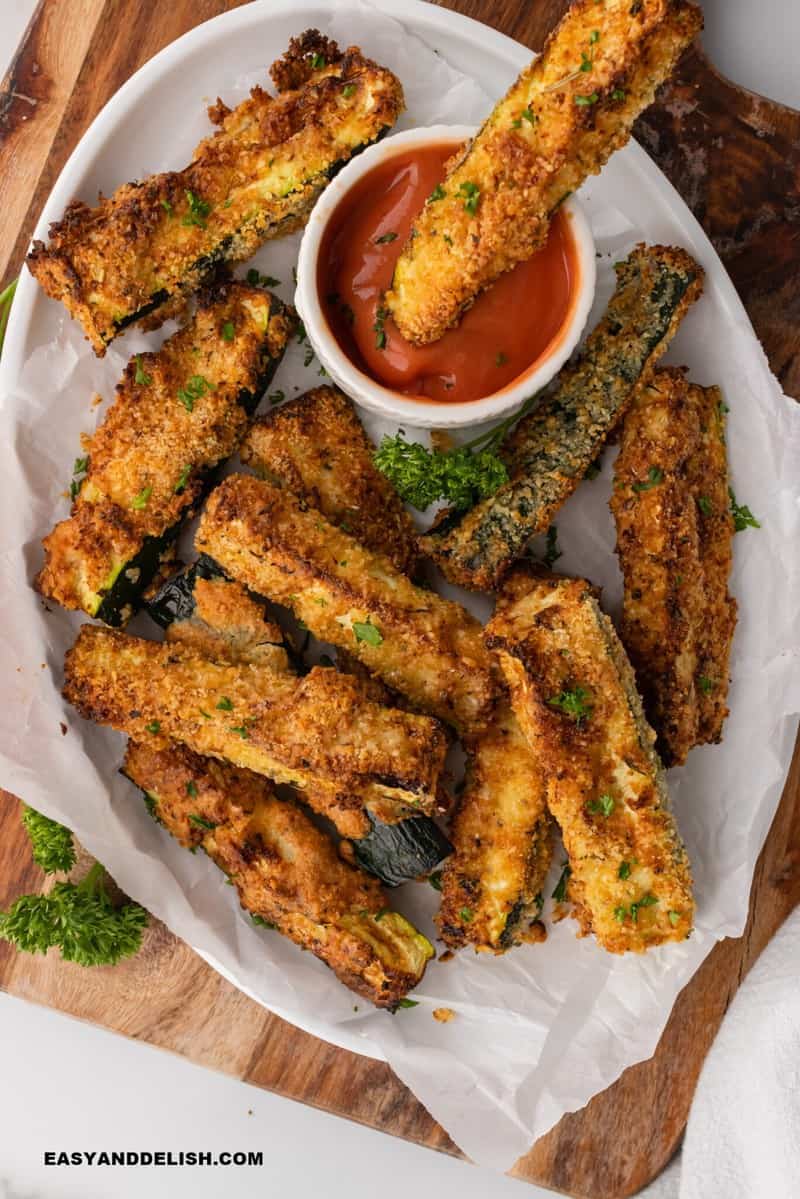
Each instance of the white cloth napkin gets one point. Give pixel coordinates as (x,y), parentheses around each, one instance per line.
(743,1136)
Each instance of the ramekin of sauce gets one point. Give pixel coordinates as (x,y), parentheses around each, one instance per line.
(508,345)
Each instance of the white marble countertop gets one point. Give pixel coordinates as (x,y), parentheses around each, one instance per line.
(66,1085)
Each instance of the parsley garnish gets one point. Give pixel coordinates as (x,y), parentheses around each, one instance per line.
(165,204)
(552,553)
(385,239)
(153,727)
(604,804)
(318,61)
(646,901)
(573,703)
(560,891)
(198,211)
(587,101)
(194,390)
(140,501)
(674,918)
(435,880)
(348,90)
(224,705)
(380,333)
(79,468)
(141,377)
(624,870)
(706,684)
(243,732)
(438,193)
(742,516)
(466,915)
(365,630)
(408,1003)
(654,476)
(472,194)
(228,331)
(705,505)
(261,922)
(191,788)
(618,93)
(201,821)
(52,844)
(183,479)
(276,397)
(256,279)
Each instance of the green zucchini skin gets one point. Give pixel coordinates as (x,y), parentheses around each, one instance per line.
(398,853)
(552,448)
(175,600)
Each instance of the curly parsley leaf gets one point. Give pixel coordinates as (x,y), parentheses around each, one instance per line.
(52,844)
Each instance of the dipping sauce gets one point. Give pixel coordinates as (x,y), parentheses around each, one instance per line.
(509,329)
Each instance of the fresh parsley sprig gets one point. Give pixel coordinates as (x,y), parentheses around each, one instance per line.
(462,476)
(79,918)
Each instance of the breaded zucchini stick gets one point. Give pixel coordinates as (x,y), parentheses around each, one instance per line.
(709,468)
(144,250)
(318,729)
(425,647)
(287,873)
(559,123)
(674,533)
(178,413)
(317,448)
(574,694)
(218,619)
(492,886)
(551,449)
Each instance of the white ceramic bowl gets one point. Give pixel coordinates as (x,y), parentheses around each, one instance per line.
(382,399)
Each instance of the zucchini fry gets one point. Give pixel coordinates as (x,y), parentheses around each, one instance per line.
(502,831)
(709,468)
(674,533)
(317,448)
(142,252)
(559,123)
(286,871)
(316,730)
(212,616)
(551,449)
(427,648)
(574,694)
(177,415)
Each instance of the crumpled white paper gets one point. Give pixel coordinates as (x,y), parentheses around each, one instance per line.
(541,1030)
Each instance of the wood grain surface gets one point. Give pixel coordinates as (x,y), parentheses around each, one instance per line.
(734,157)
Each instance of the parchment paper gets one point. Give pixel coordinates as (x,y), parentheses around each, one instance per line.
(541,1030)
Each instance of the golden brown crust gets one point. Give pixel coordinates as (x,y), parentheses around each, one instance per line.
(285,870)
(318,730)
(501,831)
(149,460)
(256,177)
(428,648)
(557,125)
(674,532)
(574,694)
(228,624)
(316,446)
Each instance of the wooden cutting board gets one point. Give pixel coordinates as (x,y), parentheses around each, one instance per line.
(736,160)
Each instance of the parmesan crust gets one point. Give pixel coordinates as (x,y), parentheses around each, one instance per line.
(574,694)
(286,872)
(143,251)
(559,123)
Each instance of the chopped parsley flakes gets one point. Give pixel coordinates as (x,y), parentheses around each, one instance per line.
(574,703)
(365,630)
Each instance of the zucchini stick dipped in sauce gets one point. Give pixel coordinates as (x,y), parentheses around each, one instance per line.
(287,873)
(318,730)
(502,832)
(559,123)
(143,251)
(427,648)
(317,448)
(574,694)
(674,534)
(178,414)
(216,618)
(551,449)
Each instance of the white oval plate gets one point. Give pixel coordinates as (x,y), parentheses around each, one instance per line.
(153,123)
